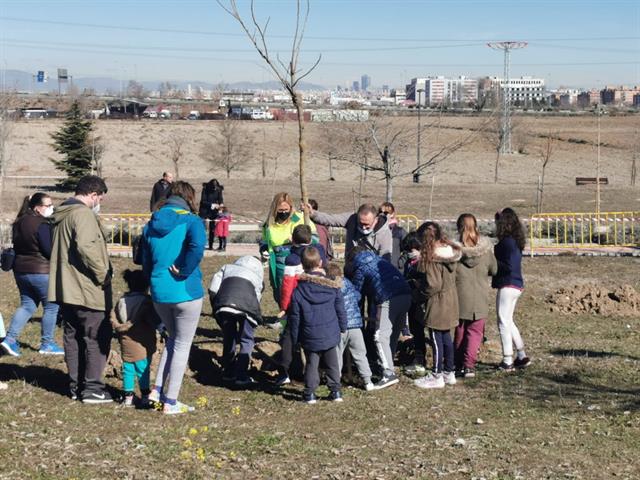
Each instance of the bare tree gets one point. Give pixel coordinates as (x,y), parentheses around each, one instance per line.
(289,74)
(228,150)
(97,151)
(176,151)
(136,90)
(634,158)
(546,152)
(6,128)
(494,134)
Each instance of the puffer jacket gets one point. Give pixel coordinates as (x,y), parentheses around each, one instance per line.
(351,304)
(474,269)
(317,315)
(239,286)
(174,236)
(376,277)
(441,312)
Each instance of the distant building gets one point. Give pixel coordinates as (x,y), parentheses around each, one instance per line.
(385,89)
(523,90)
(636,100)
(433,91)
(621,96)
(356,86)
(365,82)
(588,99)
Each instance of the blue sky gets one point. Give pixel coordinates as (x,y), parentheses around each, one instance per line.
(573,43)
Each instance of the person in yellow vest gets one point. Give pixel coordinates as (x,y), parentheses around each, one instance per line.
(276,237)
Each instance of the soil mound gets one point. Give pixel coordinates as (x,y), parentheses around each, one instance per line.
(621,300)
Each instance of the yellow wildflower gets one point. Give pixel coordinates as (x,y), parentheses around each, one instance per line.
(204,429)
(187,443)
(202,402)
(193,431)
(200,454)
(235,410)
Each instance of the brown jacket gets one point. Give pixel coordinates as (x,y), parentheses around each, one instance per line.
(133,322)
(441,311)
(476,266)
(32,250)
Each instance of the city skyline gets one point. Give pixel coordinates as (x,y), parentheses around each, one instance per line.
(195,40)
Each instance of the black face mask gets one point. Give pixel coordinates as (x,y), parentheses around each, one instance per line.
(282,216)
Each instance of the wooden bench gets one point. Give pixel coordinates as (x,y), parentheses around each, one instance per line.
(591,181)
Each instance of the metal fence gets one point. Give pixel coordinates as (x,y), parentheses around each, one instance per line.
(584,230)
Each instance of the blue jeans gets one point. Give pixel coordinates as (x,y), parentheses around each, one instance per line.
(33,291)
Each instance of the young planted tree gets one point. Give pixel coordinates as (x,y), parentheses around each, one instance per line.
(635,155)
(6,127)
(288,73)
(72,142)
(176,151)
(97,151)
(546,152)
(228,150)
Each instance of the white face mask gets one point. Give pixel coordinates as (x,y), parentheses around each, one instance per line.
(365,231)
(96,208)
(47,212)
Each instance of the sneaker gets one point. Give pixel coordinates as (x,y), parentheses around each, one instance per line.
(11,347)
(430,381)
(245,382)
(73,394)
(51,349)
(414,370)
(176,409)
(505,367)
(310,398)
(145,402)
(128,400)
(228,378)
(3,386)
(449,378)
(335,396)
(282,380)
(95,398)
(369,386)
(469,373)
(522,362)
(154,396)
(387,381)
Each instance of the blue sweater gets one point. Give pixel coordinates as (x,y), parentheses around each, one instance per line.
(351,304)
(509,258)
(376,276)
(174,236)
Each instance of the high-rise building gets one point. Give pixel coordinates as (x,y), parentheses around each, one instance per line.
(356,86)
(365,82)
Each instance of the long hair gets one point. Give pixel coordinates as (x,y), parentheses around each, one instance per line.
(508,225)
(185,191)
(432,234)
(213,184)
(29,203)
(277,200)
(468,230)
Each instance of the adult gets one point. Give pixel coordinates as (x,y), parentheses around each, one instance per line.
(160,190)
(324,236)
(32,235)
(397,232)
(80,281)
(510,284)
(364,228)
(172,247)
(210,202)
(277,232)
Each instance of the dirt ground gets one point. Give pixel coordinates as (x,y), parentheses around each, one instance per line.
(136,153)
(575,413)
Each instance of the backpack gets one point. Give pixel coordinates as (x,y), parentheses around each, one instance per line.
(7,259)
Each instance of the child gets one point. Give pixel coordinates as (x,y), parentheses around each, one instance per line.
(135,322)
(317,318)
(438,266)
(411,246)
(509,283)
(376,278)
(223,220)
(352,338)
(235,293)
(476,265)
(301,238)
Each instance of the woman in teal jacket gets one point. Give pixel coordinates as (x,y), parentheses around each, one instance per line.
(172,247)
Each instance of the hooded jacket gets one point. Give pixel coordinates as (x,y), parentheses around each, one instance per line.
(441,312)
(211,194)
(293,269)
(351,304)
(375,276)
(476,265)
(317,315)
(80,271)
(239,287)
(174,236)
(135,321)
(379,240)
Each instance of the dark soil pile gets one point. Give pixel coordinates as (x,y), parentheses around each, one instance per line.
(621,300)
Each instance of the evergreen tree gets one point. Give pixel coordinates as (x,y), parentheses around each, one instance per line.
(73,141)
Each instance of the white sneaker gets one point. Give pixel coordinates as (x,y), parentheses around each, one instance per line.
(369,387)
(449,378)
(430,381)
(177,409)
(154,396)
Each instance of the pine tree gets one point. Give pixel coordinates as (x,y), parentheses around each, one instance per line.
(73,141)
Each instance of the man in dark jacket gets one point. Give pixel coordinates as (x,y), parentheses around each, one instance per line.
(317,318)
(160,190)
(210,202)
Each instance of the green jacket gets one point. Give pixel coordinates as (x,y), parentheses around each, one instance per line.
(80,270)
(472,280)
(441,310)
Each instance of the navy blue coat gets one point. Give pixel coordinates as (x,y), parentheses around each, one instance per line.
(351,304)
(376,276)
(317,314)
(509,258)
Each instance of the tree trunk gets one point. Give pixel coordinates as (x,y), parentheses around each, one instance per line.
(264,166)
(331,177)
(541,190)
(634,170)
(297,102)
(497,166)
(389,184)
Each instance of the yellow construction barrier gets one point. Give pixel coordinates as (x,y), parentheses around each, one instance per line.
(408,222)
(122,228)
(584,230)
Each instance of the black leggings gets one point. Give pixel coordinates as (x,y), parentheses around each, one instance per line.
(442,350)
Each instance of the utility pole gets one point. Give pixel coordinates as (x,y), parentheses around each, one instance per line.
(598,112)
(505,147)
(416,175)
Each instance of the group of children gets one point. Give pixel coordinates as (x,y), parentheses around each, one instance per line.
(361,308)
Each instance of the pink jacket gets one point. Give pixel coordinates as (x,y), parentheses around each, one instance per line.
(222,225)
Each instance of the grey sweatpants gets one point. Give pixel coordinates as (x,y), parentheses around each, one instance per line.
(353,339)
(394,312)
(181,321)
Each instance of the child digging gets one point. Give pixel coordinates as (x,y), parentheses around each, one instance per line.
(134,321)
(317,317)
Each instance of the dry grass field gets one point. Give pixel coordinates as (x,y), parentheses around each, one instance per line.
(137,152)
